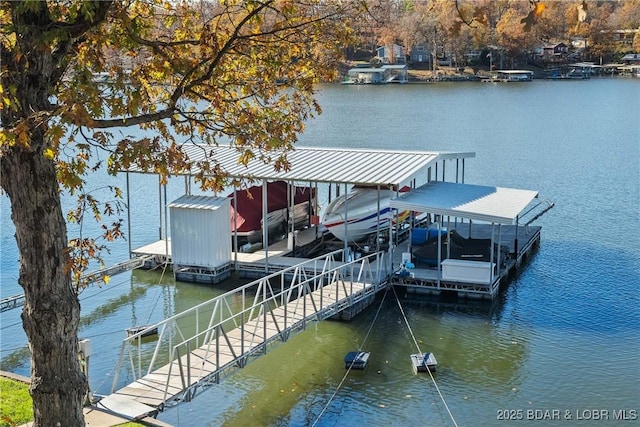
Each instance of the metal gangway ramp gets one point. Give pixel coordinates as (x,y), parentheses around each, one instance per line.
(197,347)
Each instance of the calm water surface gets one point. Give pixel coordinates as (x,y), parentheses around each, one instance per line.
(565,335)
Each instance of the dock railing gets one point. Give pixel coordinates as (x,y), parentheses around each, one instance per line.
(14,301)
(7,303)
(226,331)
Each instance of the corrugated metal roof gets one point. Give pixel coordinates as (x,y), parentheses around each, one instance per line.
(481,203)
(337,165)
(199,202)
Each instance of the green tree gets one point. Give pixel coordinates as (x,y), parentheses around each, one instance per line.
(236,72)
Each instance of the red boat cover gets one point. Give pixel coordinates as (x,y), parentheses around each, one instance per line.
(248,215)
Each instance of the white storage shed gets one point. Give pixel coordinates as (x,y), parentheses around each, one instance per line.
(200,231)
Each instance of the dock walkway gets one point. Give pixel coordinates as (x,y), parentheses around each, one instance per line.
(234,328)
(13,301)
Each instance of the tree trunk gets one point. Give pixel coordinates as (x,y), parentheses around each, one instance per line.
(52,311)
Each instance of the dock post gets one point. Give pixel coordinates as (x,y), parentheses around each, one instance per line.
(515,242)
(84,354)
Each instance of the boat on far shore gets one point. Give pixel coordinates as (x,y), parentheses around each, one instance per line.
(506,76)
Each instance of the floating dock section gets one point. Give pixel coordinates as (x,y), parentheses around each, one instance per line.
(423,362)
(469,278)
(480,240)
(200,248)
(356,360)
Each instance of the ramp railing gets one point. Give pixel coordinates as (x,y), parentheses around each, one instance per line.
(201,344)
(7,303)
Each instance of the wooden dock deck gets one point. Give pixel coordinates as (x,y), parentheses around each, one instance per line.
(249,264)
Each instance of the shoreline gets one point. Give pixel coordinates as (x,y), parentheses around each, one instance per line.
(93,415)
(15,377)
(470,74)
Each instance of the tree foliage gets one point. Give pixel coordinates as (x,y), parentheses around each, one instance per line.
(517,26)
(202,71)
(81,78)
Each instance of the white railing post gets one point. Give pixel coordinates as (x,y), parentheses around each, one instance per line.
(116,377)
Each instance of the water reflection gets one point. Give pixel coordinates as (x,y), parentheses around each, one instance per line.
(299,379)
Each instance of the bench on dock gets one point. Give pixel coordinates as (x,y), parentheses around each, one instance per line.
(460,248)
(459,270)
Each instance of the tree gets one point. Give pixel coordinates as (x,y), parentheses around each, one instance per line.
(513,36)
(553,25)
(599,29)
(236,72)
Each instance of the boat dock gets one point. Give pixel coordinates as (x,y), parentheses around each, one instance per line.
(520,243)
(485,230)
(202,248)
(276,257)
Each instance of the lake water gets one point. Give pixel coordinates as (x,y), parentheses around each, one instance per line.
(562,341)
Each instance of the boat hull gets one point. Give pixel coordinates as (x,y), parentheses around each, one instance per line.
(278,224)
(247,210)
(363,214)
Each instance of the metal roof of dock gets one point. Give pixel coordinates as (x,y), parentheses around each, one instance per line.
(189,201)
(476,202)
(334,165)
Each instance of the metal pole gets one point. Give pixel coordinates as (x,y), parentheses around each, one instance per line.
(128,215)
(166,225)
(378,219)
(463,171)
(346,229)
(235,227)
(499,246)
(292,217)
(439,252)
(448,237)
(160,207)
(265,226)
(515,243)
(491,252)
(292,206)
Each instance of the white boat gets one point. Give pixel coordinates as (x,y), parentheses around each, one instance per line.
(362,213)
